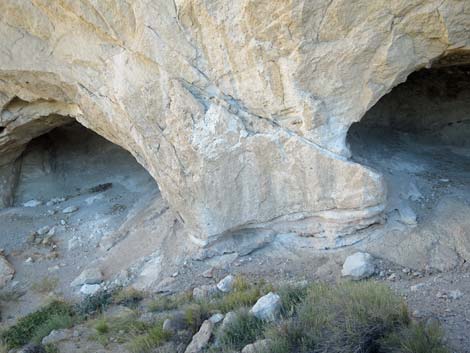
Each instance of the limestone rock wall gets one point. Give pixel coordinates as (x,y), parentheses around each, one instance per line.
(239,109)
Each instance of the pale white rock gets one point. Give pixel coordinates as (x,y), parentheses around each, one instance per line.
(226,284)
(56,336)
(358,266)
(206,291)
(268,307)
(455,294)
(228,319)
(88,276)
(32,203)
(416,287)
(216,318)
(201,338)
(70,209)
(90,289)
(43,230)
(259,346)
(407,215)
(6,271)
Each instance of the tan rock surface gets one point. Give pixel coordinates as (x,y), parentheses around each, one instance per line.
(238,109)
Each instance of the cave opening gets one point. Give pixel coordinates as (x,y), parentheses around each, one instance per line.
(76,186)
(417,137)
(71,160)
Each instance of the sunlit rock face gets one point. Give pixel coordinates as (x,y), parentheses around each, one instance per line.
(239,109)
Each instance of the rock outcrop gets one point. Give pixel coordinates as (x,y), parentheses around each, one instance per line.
(238,109)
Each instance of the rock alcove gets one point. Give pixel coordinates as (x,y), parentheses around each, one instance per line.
(417,136)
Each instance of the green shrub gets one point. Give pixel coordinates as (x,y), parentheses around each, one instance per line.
(36,324)
(55,322)
(101,326)
(51,348)
(351,317)
(243,330)
(45,285)
(94,304)
(128,296)
(291,296)
(153,338)
(416,338)
(195,314)
(243,294)
(165,303)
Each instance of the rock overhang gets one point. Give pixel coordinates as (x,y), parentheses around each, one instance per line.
(240,117)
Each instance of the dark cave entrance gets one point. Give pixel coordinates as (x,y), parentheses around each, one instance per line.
(417,136)
(71,159)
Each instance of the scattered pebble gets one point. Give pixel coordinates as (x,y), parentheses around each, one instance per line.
(32,203)
(70,209)
(455,294)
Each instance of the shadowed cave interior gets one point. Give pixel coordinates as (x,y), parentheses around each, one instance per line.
(417,136)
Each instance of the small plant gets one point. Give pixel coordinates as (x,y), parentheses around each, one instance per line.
(195,314)
(165,303)
(10,296)
(243,330)
(102,326)
(51,348)
(46,285)
(128,297)
(153,338)
(55,322)
(243,294)
(416,338)
(36,324)
(94,304)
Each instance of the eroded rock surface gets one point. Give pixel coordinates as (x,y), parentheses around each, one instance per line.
(238,109)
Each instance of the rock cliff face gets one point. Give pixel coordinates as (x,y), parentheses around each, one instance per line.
(238,109)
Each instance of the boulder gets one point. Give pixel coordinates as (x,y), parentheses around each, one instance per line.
(175,323)
(267,307)
(358,266)
(90,289)
(56,336)
(204,292)
(6,271)
(201,338)
(226,284)
(88,276)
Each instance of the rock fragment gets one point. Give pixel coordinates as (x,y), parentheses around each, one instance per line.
(88,276)
(267,307)
(358,266)
(201,339)
(226,284)
(70,209)
(32,203)
(6,271)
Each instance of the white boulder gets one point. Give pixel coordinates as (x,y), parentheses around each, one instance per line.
(358,266)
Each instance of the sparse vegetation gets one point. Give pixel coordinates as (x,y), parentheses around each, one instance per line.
(244,294)
(94,304)
(128,297)
(349,317)
(46,285)
(154,337)
(37,324)
(165,303)
(244,329)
